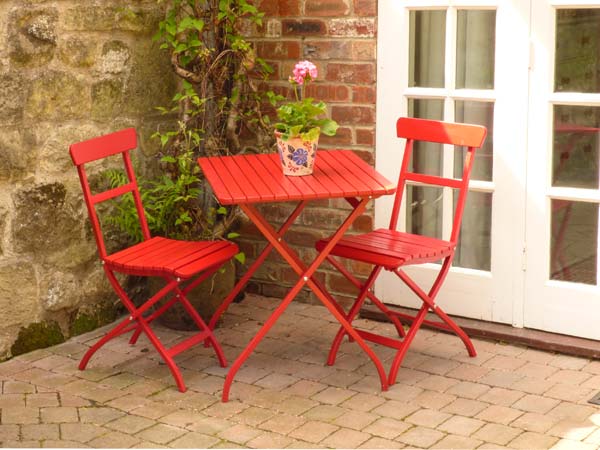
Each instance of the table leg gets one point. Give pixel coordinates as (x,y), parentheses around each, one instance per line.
(306,277)
(255,265)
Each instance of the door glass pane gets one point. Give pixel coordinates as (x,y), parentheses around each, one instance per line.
(424,210)
(427,48)
(577,50)
(474,242)
(475,49)
(574,241)
(427,157)
(575,146)
(478,113)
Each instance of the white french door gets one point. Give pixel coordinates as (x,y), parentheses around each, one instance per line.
(462,61)
(529,70)
(562,289)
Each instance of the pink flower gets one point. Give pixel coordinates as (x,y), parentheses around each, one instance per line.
(302,70)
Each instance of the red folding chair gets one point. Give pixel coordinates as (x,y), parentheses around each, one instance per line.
(174,261)
(390,249)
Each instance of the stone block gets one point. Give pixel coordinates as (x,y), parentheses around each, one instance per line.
(57,96)
(15,164)
(32,36)
(77,52)
(114,58)
(17,281)
(107,98)
(12,98)
(86,17)
(42,218)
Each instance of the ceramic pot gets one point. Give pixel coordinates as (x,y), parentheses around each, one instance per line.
(297,156)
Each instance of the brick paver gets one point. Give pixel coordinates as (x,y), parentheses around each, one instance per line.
(286,397)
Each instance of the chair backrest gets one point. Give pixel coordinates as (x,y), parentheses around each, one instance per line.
(102,147)
(459,134)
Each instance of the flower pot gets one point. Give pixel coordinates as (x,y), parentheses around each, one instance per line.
(205,298)
(297,156)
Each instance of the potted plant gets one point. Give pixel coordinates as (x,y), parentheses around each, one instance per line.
(301,123)
(218,101)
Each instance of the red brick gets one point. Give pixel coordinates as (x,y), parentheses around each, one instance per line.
(365,7)
(365,136)
(280,7)
(343,137)
(278,49)
(326,8)
(357,115)
(307,27)
(363,224)
(351,73)
(339,284)
(328,92)
(331,49)
(306,238)
(367,156)
(364,50)
(361,27)
(364,94)
(326,219)
(290,277)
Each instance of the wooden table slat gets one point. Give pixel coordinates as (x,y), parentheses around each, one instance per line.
(379,181)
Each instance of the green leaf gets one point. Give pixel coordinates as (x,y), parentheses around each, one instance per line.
(222,210)
(240,257)
(232,235)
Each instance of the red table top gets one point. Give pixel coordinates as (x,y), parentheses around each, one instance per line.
(259,178)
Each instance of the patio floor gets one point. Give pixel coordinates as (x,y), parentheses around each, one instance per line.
(285,396)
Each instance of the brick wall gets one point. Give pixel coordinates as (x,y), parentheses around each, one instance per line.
(339,36)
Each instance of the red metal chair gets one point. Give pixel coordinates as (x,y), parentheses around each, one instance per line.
(390,249)
(174,261)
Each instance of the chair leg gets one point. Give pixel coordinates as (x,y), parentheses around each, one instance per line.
(384,309)
(117,331)
(354,309)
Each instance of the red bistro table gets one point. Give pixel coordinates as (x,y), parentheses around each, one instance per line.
(246,180)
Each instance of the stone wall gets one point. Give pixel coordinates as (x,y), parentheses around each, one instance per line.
(69,70)
(339,36)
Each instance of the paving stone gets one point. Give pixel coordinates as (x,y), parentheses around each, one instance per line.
(387,428)
(154,410)
(496,434)
(362,402)
(269,440)
(436,383)
(114,439)
(39,432)
(161,433)
(99,415)
(529,440)
(295,405)
(59,414)
(499,414)
(465,407)
(225,410)
(459,425)
(342,378)
(357,420)
(593,438)
(21,444)
(420,437)
(568,362)
(71,400)
(282,423)
(401,392)
(569,377)
(568,444)
(453,441)
(468,372)
(305,388)
(20,415)
(128,402)
(64,443)
(539,423)
(538,371)
(536,404)
(573,430)
(395,409)
(501,396)
(571,411)
(42,399)
(433,400)
(194,440)
(377,442)
(324,412)
(12,400)
(570,393)
(428,418)
(82,432)
(276,381)
(9,432)
(501,378)
(468,389)
(333,395)
(313,431)
(345,438)
(17,387)
(130,424)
